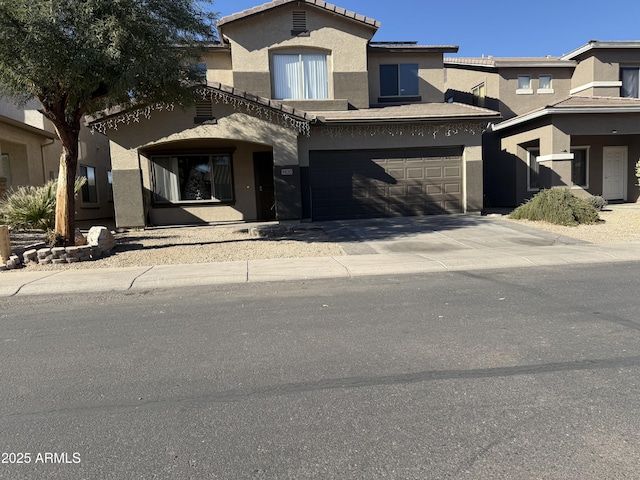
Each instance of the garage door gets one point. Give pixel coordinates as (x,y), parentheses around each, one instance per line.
(382,183)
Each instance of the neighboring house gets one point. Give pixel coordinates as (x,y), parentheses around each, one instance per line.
(30,152)
(302,117)
(572,121)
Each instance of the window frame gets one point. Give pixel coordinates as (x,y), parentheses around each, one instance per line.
(585,149)
(533,153)
(303,85)
(91,185)
(173,181)
(524,91)
(547,90)
(479,99)
(399,80)
(637,86)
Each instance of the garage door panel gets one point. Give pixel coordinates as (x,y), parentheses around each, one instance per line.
(365,184)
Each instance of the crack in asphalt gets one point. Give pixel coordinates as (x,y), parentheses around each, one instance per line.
(347,383)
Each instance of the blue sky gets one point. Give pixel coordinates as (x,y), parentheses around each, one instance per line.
(501,28)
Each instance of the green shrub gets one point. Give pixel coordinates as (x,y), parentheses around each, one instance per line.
(598,202)
(32,207)
(559,206)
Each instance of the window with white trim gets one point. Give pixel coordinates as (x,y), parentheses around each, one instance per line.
(533,170)
(192,178)
(399,80)
(630,77)
(300,76)
(580,167)
(545,84)
(524,85)
(89,190)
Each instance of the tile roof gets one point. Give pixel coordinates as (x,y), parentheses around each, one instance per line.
(404,113)
(318,3)
(576,105)
(602,45)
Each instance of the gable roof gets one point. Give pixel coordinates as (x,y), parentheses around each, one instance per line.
(370,22)
(576,104)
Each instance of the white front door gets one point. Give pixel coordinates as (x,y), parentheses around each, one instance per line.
(614,173)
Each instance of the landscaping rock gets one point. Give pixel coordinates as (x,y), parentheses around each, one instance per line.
(80,239)
(102,238)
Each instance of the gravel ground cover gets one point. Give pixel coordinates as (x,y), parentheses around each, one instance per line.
(621,223)
(209,244)
(185,245)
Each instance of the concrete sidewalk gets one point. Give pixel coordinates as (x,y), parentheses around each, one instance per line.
(20,283)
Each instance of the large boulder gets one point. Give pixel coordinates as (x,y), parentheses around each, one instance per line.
(102,238)
(79,238)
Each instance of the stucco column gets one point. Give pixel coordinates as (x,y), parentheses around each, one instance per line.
(555,158)
(473,180)
(127,187)
(286,176)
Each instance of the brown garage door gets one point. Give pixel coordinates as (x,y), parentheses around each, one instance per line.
(382,183)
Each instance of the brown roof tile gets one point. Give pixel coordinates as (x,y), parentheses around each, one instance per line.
(276,3)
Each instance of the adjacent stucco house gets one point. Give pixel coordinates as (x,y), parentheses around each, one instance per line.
(30,155)
(303,117)
(572,121)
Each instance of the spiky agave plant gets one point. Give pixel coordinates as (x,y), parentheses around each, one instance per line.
(32,208)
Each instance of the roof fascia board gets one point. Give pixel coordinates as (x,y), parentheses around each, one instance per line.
(27,127)
(599,45)
(556,111)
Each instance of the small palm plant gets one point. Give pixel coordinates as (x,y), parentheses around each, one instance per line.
(32,208)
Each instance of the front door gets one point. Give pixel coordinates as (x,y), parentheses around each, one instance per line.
(265,191)
(614,167)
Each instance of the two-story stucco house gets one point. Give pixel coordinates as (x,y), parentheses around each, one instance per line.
(30,155)
(303,117)
(572,121)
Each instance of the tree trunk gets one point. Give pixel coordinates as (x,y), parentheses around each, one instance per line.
(65,196)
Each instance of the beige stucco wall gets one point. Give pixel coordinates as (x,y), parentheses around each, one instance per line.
(514,104)
(219,65)
(254,39)
(464,80)
(235,131)
(430,73)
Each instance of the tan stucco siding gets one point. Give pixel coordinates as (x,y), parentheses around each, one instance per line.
(430,74)
(219,67)
(254,40)
(514,103)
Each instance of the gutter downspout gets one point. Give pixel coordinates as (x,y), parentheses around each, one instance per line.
(44,171)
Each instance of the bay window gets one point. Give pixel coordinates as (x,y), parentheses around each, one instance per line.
(300,76)
(192,178)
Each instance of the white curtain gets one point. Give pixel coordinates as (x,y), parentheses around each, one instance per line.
(287,76)
(316,83)
(165,180)
(300,76)
(630,82)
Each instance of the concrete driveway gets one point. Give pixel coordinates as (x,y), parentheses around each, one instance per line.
(436,234)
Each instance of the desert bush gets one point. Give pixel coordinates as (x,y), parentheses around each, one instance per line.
(597,201)
(559,206)
(32,207)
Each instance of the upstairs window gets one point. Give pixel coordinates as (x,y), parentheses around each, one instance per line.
(399,80)
(478,95)
(303,76)
(545,84)
(524,85)
(630,77)
(192,178)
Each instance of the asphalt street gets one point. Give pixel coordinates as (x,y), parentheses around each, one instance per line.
(491,374)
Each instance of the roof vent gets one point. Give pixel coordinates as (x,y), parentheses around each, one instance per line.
(299,23)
